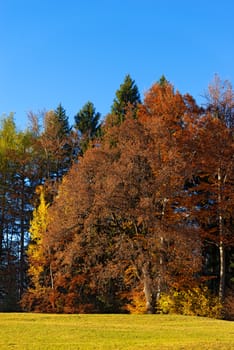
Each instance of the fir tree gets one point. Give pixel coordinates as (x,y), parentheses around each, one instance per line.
(87,123)
(63,121)
(163,81)
(126,97)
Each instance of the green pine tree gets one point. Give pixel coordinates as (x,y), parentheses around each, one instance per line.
(126,97)
(87,123)
(63,121)
(163,81)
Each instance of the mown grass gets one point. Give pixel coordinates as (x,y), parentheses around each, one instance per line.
(113,332)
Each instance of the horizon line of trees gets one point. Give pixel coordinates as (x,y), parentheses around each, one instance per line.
(119,214)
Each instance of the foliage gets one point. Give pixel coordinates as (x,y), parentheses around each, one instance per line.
(137,304)
(147,208)
(17,183)
(114,213)
(38,296)
(56,144)
(211,187)
(27,159)
(195,302)
(37,230)
(87,120)
(127,98)
(87,123)
(220,101)
(228,306)
(63,121)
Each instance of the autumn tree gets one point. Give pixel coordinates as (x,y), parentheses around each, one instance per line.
(212,192)
(73,263)
(18,179)
(137,214)
(55,145)
(23,164)
(220,100)
(164,114)
(8,249)
(40,273)
(23,186)
(116,227)
(37,230)
(211,185)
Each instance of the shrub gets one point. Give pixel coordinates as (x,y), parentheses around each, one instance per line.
(228,308)
(136,304)
(194,302)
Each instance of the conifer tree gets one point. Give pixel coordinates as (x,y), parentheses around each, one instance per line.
(87,123)
(127,96)
(63,121)
(163,81)
(57,144)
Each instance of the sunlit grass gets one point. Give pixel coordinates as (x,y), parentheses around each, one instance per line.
(113,332)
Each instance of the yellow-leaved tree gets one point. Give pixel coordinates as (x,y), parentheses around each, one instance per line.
(37,229)
(38,256)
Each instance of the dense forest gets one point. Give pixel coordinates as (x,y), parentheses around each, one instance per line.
(132,212)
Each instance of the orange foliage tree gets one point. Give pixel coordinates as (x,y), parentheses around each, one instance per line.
(126,222)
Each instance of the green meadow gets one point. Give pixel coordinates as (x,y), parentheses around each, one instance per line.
(73,332)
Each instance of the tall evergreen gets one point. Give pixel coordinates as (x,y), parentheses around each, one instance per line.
(163,81)
(63,121)
(57,143)
(127,96)
(87,122)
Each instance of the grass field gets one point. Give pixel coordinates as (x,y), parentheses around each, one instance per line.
(113,332)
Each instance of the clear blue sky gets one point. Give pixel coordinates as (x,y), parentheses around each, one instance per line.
(72,51)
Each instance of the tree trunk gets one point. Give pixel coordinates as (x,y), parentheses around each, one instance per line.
(2,223)
(221,243)
(22,242)
(221,271)
(1,236)
(148,290)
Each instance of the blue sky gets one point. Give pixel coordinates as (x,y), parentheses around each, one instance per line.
(74,51)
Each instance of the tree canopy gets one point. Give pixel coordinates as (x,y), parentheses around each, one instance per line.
(87,122)
(125,215)
(131,217)
(127,98)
